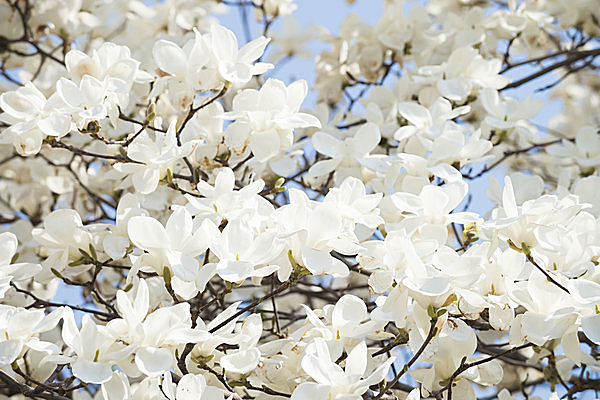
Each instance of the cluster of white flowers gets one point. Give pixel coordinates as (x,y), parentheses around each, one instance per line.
(174,225)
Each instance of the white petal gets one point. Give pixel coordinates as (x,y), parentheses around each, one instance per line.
(323,167)
(366,139)
(170,58)
(147,233)
(356,363)
(8,247)
(91,372)
(179,225)
(349,310)
(326,144)
(9,351)
(191,387)
(242,361)
(265,144)
(117,388)
(154,361)
(415,113)
(146,179)
(56,125)
(311,391)
(454,89)
(591,327)
(234,271)
(251,51)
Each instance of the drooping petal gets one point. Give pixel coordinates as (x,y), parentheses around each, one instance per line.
(91,372)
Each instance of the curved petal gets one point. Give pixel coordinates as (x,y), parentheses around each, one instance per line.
(154,361)
(147,233)
(170,58)
(146,180)
(326,144)
(251,51)
(91,372)
(265,144)
(242,361)
(311,391)
(191,387)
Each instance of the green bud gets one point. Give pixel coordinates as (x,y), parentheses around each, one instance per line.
(93,252)
(76,263)
(85,254)
(431,311)
(150,112)
(56,273)
(280,181)
(512,245)
(167,275)
(526,249)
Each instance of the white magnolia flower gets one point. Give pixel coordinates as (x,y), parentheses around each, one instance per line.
(19,329)
(156,152)
(211,59)
(96,351)
(89,100)
(30,119)
(62,236)
(246,358)
(506,114)
(585,151)
(146,335)
(222,202)
(333,382)
(265,119)
(176,246)
(312,230)
(108,61)
(464,71)
(242,252)
(345,155)
(427,122)
(348,320)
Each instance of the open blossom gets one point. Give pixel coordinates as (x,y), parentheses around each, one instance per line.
(242,252)
(333,382)
(108,61)
(155,153)
(265,119)
(175,246)
(345,155)
(144,331)
(31,119)
(211,59)
(464,71)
